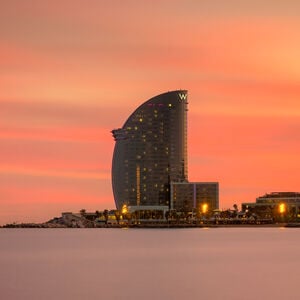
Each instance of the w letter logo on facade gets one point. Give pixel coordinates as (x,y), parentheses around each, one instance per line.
(182,96)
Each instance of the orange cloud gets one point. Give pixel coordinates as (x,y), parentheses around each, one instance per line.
(69,76)
(247,155)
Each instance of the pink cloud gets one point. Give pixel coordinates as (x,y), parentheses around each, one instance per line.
(247,155)
(70,73)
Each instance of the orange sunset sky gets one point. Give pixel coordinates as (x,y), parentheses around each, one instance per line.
(72,70)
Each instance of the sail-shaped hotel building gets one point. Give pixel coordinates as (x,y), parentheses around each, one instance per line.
(149,166)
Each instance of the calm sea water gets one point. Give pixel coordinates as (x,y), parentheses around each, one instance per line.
(216,263)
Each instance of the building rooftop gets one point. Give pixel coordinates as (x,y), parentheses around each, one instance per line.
(281,195)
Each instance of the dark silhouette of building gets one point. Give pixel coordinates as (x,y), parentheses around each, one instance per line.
(151,152)
(188,196)
(275,204)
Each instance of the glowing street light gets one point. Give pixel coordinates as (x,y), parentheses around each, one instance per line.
(204,208)
(282,208)
(124,209)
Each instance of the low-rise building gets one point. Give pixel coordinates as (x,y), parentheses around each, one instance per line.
(193,196)
(284,205)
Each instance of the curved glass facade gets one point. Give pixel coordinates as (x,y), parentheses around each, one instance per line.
(151,151)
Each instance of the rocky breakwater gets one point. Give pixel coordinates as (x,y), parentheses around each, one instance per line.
(70,220)
(67,220)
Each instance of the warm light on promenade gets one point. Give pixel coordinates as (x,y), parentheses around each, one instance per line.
(124,209)
(204,208)
(282,208)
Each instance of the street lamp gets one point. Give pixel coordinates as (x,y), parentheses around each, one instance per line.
(204,208)
(124,209)
(282,208)
(282,211)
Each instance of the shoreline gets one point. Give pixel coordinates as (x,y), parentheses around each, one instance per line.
(152,226)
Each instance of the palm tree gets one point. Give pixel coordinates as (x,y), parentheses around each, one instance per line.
(118,216)
(167,215)
(105,214)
